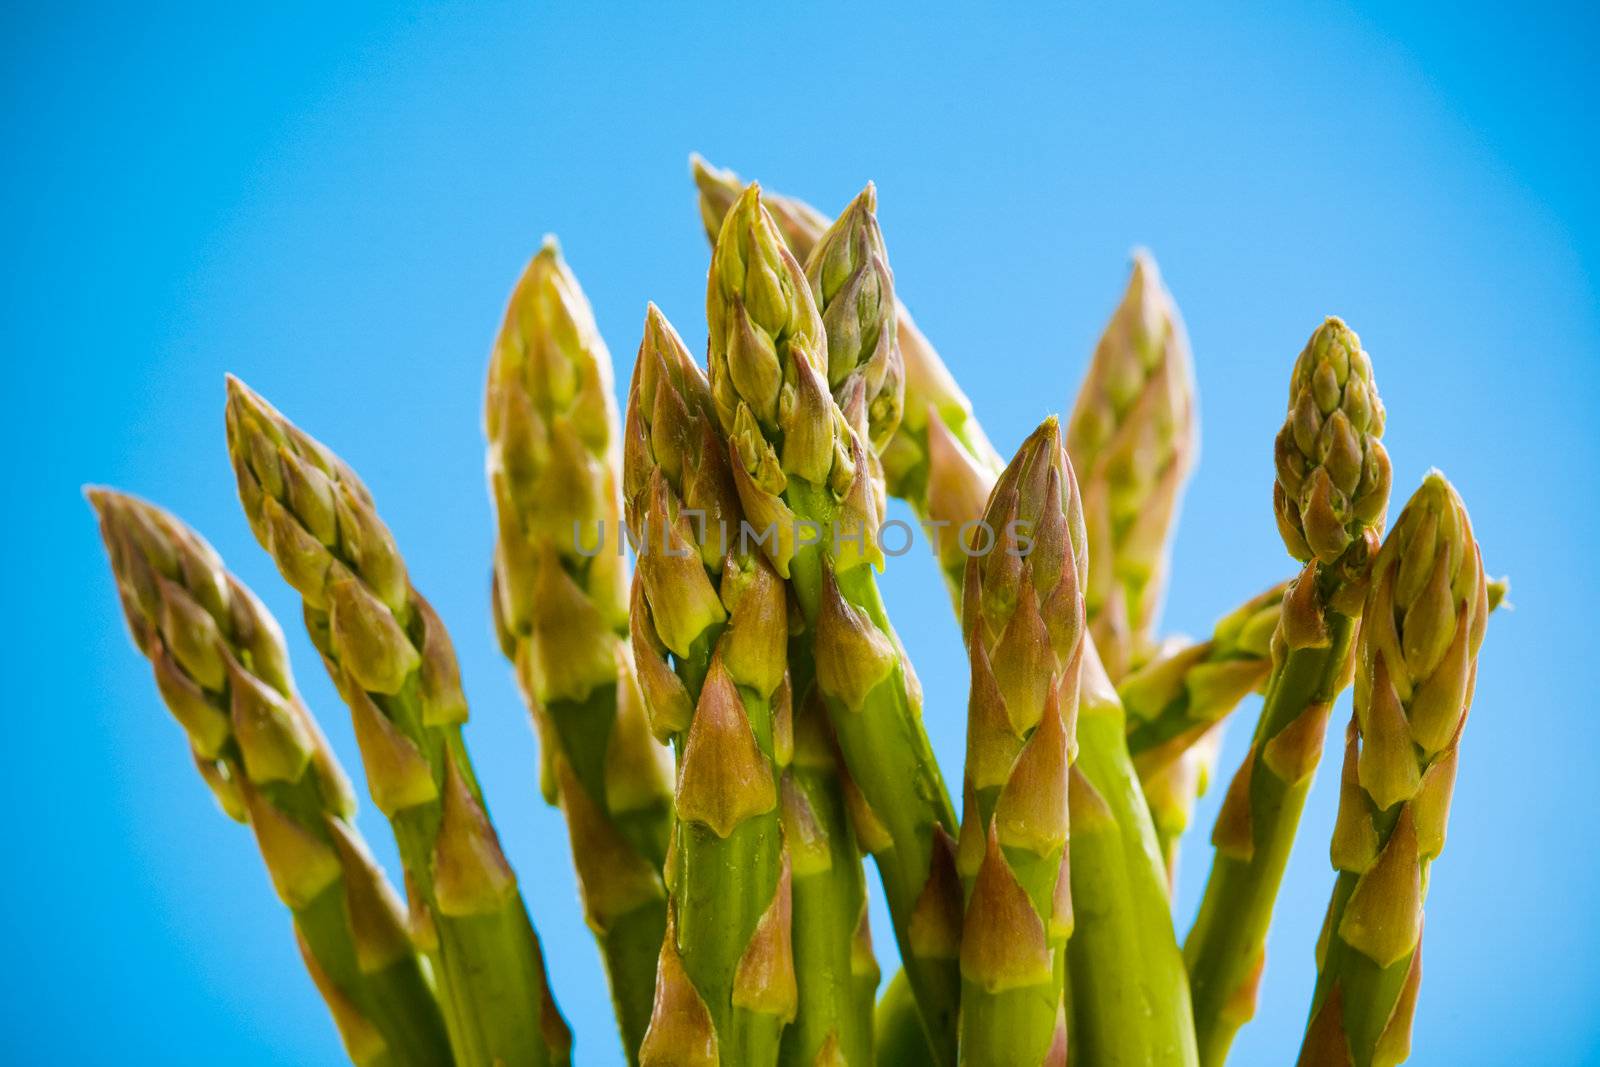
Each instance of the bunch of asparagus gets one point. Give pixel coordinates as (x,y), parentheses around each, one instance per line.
(734,729)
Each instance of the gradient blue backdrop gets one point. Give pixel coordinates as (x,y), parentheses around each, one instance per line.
(334,204)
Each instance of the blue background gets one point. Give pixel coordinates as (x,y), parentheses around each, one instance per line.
(334,204)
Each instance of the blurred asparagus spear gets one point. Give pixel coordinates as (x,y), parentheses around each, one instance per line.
(1023,614)
(1416,664)
(561,612)
(712,605)
(222,669)
(1133,437)
(392,661)
(1331,494)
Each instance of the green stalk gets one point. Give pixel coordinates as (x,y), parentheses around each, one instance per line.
(898,1037)
(222,669)
(1254,835)
(799,459)
(392,661)
(710,633)
(1423,623)
(1331,494)
(562,614)
(1130,996)
(1132,437)
(834,967)
(1024,621)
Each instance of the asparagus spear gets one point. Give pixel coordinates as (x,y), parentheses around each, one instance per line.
(222,669)
(708,601)
(1416,662)
(393,664)
(805,483)
(938,459)
(561,612)
(1023,615)
(945,468)
(1331,493)
(1132,438)
(848,272)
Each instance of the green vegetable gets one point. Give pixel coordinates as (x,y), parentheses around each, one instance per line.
(561,611)
(392,662)
(1417,660)
(1132,438)
(1331,494)
(222,669)
(715,609)
(805,481)
(1023,614)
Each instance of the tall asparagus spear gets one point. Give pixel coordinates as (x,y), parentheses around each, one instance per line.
(562,614)
(848,272)
(945,469)
(1416,663)
(393,663)
(938,459)
(1023,614)
(805,482)
(222,669)
(710,602)
(1331,494)
(1132,438)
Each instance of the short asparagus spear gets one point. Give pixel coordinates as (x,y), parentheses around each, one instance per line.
(222,669)
(1132,438)
(710,632)
(804,479)
(562,614)
(1331,494)
(393,663)
(1416,663)
(938,459)
(1023,615)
